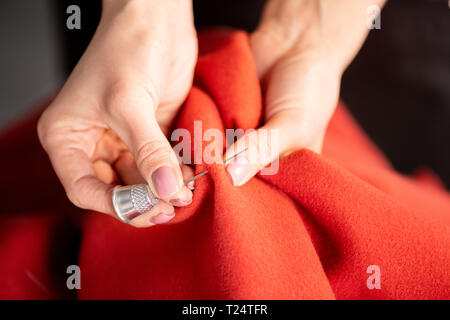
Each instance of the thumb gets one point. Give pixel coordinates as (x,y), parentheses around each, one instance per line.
(297,112)
(132,117)
(258,148)
(301,96)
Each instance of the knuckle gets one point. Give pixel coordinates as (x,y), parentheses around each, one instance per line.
(43,124)
(124,94)
(151,153)
(118,97)
(46,127)
(41,129)
(75,199)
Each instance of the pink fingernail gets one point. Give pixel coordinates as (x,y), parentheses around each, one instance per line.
(161,218)
(191,185)
(181,203)
(238,169)
(165,182)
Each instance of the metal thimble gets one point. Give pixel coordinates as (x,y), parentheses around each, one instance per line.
(131,201)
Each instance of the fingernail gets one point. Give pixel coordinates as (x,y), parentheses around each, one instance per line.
(161,218)
(181,203)
(165,182)
(238,169)
(191,185)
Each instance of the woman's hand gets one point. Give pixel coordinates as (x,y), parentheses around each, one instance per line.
(110,119)
(301,49)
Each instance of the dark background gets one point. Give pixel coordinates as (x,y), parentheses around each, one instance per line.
(398,87)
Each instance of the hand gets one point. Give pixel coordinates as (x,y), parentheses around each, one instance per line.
(301,49)
(109,121)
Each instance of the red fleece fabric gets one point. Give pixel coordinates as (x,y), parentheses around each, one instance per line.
(309,232)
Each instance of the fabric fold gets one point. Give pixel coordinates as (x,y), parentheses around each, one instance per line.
(314,230)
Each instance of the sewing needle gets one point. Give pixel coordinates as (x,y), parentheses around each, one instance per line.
(206,171)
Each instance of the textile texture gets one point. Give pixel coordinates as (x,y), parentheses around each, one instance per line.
(311,231)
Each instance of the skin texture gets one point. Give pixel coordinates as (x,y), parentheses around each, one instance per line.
(301,48)
(108,125)
(109,120)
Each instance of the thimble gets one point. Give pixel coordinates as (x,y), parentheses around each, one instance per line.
(131,201)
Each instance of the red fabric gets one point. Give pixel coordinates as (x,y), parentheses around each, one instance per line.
(309,232)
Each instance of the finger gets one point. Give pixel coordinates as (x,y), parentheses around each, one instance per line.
(107,150)
(259,148)
(130,175)
(79,178)
(185,196)
(131,114)
(301,95)
(87,182)
(162,213)
(87,191)
(137,206)
(127,169)
(105,172)
(188,174)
